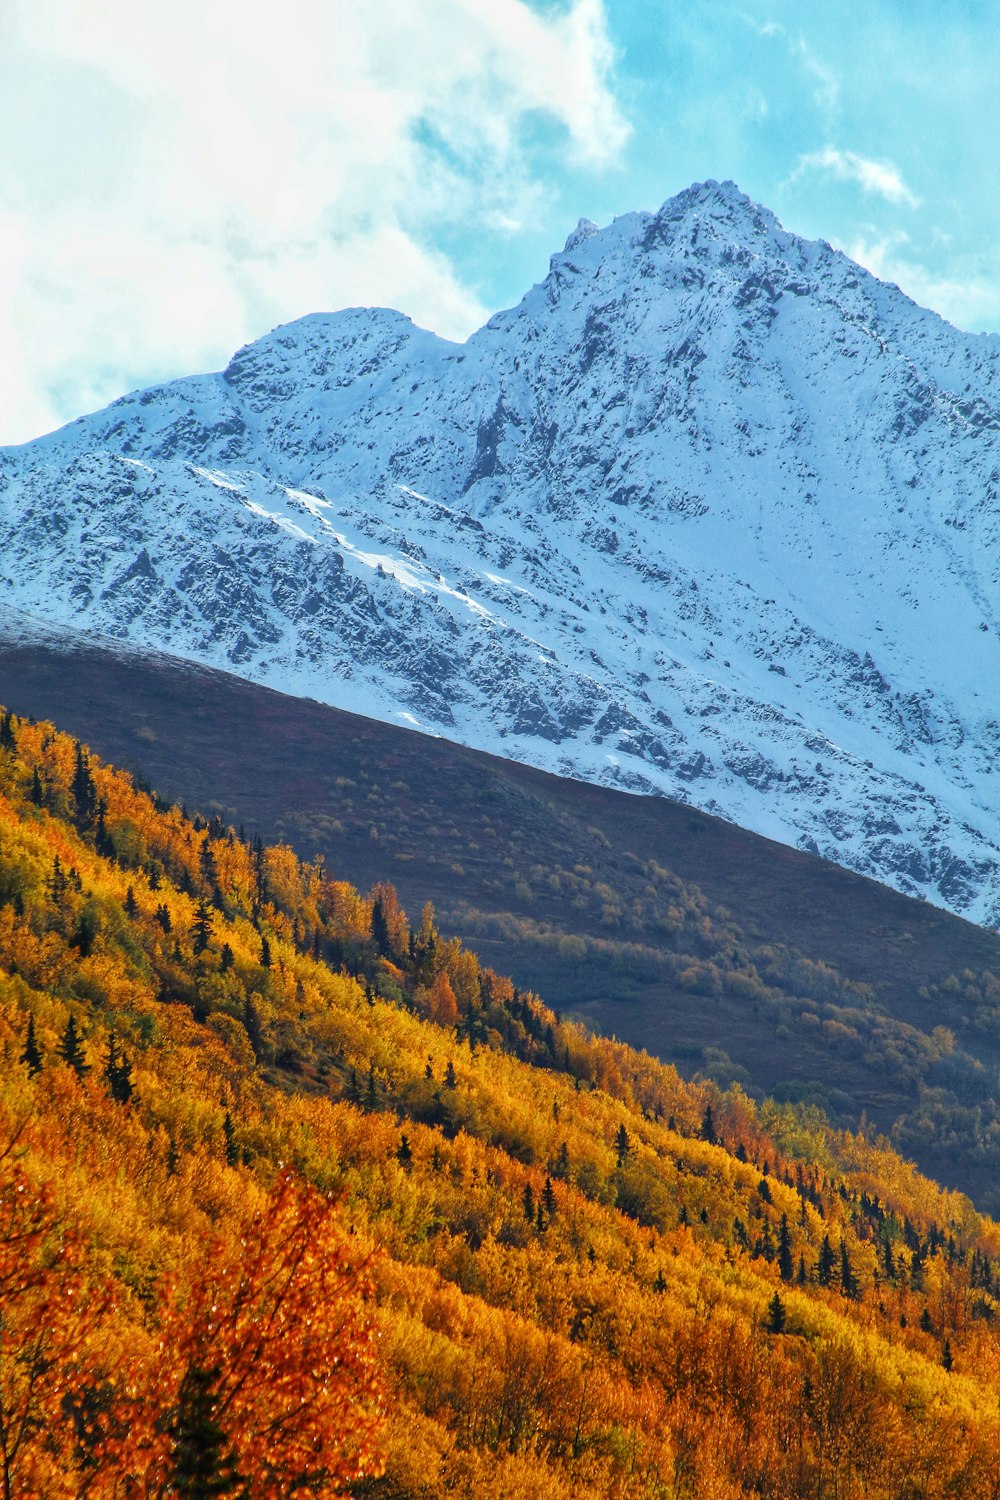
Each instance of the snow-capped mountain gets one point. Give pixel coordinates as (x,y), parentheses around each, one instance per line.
(712,513)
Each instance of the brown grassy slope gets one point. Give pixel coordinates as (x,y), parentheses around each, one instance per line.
(516,860)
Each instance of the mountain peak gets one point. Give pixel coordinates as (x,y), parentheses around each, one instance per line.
(585,230)
(710,513)
(721,203)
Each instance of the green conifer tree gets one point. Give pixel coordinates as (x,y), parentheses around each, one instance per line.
(786,1265)
(827,1261)
(202,1461)
(848,1280)
(548,1199)
(118,1073)
(201,928)
(776,1315)
(31,1056)
(229,1132)
(84,790)
(71,1050)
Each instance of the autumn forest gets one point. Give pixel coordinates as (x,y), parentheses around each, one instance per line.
(300,1198)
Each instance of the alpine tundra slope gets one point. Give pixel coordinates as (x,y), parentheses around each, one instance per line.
(713,514)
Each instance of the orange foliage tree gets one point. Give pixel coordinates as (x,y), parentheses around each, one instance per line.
(48,1316)
(261,1378)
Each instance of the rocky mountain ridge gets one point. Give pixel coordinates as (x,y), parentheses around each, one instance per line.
(712,514)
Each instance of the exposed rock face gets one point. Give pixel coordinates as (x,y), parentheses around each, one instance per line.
(712,513)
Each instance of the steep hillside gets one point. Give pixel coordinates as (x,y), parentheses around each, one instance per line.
(711,513)
(731,956)
(587,1277)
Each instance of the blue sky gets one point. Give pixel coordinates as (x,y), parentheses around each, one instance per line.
(176,180)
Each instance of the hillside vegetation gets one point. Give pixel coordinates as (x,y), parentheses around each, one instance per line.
(724,953)
(298,1197)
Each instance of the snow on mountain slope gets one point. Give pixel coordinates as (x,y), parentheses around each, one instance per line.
(712,513)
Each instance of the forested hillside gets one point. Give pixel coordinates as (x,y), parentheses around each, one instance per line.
(297,1197)
(721,952)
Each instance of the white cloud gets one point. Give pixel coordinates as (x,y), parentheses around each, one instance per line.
(174,180)
(878,177)
(967,295)
(826,84)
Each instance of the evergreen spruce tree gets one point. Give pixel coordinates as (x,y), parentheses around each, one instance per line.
(206,861)
(888,1261)
(623,1145)
(786,1265)
(827,1261)
(84,790)
(118,1073)
(916,1271)
(380,930)
(201,928)
(103,842)
(202,1462)
(776,1315)
(848,1280)
(57,883)
(708,1126)
(548,1199)
(86,930)
(229,1132)
(71,1051)
(31,1056)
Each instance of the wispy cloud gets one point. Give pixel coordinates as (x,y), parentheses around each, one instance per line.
(967,295)
(878,177)
(826,84)
(176,180)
